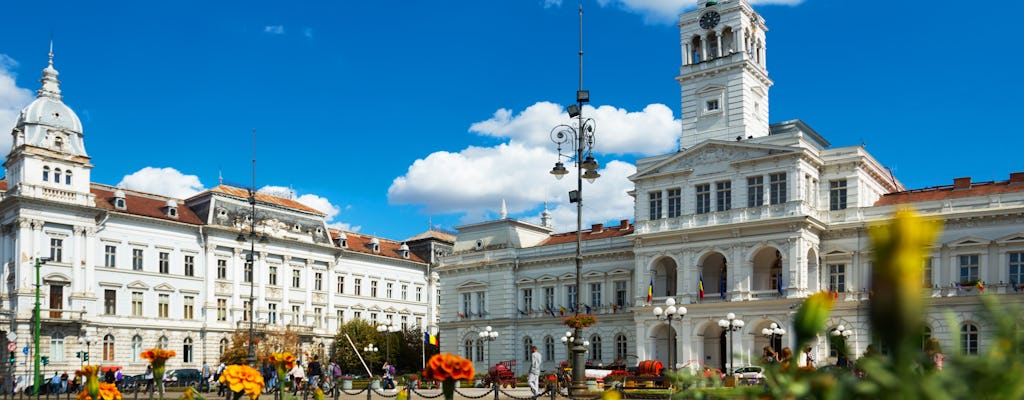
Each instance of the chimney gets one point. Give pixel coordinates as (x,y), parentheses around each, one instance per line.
(1016,178)
(624,224)
(961,183)
(596,228)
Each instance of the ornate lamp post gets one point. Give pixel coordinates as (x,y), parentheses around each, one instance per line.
(841,334)
(488,335)
(370,348)
(250,259)
(87,341)
(774,334)
(386,328)
(731,324)
(37,373)
(580,139)
(670,312)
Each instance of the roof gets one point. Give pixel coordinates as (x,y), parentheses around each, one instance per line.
(143,204)
(432,234)
(961,187)
(360,243)
(597,231)
(266,198)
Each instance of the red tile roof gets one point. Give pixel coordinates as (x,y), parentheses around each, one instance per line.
(266,198)
(597,231)
(962,187)
(144,204)
(360,243)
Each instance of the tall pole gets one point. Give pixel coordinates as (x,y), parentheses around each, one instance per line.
(37,374)
(252,259)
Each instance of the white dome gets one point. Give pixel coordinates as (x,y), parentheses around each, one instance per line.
(50,112)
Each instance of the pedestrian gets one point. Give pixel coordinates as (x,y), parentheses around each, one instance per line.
(297,375)
(205,374)
(216,377)
(534,376)
(268,376)
(55,383)
(808,357)
(786,358)
(148,377)
(934,352)
(389,377)
(64,382)
(314,371)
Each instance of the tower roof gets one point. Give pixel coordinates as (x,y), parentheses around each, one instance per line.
(48,108)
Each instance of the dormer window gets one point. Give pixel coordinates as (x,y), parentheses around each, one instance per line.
(172,209)
(119,202)
(404,251)
(46,174)
(711,105)
(58,143)
(375,245)
(342,240)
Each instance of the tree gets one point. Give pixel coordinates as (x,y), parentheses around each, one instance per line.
(267,342)
(362,333)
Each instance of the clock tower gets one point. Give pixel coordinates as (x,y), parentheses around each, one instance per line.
(723,78)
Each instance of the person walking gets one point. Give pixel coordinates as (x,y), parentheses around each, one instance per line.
(221,389)
(314,371)
(205,375)
(534,376)
(298,375)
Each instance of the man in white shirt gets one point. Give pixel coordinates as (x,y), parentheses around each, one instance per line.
(534,376)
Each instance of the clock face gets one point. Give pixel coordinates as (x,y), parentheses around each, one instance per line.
(709,19)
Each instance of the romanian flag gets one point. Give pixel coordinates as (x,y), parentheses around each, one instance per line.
(981,286)
(431,339)
(700,285)
(650,291)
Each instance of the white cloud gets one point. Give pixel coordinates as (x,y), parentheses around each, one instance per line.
(667,11)
(311,200)
(474,181)
(163,181)
(12,100)
(274,29)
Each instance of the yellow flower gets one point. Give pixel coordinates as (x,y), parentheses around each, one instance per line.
(189,394)
(92,381)
(318,394)
(403,395)
(243,378)
(107,391)
(611,394)
(811,317)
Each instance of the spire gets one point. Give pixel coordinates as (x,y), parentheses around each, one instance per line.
(504,209)
(51,86)
(545,217)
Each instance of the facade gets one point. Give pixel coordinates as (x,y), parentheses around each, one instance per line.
(132,270)
(747,218)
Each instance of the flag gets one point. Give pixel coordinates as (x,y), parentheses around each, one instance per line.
(650,290)
(430,339)
(561,310)
(550,311)
(700,285)
(981,286)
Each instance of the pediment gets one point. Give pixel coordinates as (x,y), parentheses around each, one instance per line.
(709,153)
(567,276)
(163,287)
(969,241)
(547,278)
(838,252)
(358,306)
(138,285)
(57,278)
(525,281)
(593,274)
(471,284)
(1014,238)
(619,271)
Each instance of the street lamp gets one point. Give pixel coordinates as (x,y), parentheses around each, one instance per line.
(670,312)
(841,334)
(579,139)
(774,334)
(370,348)
(386,328)
(36,373)
(250,260)
(87,341)
(731,324)
(488,334)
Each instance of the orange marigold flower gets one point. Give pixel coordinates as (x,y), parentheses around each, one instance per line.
(448,366)
(108,391)
(243,378)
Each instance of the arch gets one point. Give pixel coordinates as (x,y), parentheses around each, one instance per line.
(186,351)
(56,175)
(108,347)
(549,348)
(163,342)
(663,343)
(712,40)
(527,346)
(767,270)
(67,177)
(136,348)
(813,281)
(714,275)
(46,174)
(595,348)
(969,338)
(712,352)
(695,50)
(621,349)
(728,38)
(479,350)
(664,273)
(223,345)
(467,349)
(775,342)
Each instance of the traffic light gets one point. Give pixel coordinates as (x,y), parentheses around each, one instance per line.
(12,358)
(78,354)
(85,355)
(46,360)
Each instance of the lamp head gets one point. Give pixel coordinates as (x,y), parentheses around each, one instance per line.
(658,311)
(723,323)
(573,110)
(680,311)
(670,311)
(559,170)
(730,316)
(670,301)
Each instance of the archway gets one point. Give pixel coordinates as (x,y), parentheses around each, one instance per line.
(714,275)
(714,346)
(663,344)
(664,277)
(813,281)
(767,271)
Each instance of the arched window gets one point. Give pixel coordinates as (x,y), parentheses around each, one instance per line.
(163,343)
(527,348)
(620,348)
(136,348)
(223,346)
(479,349)
(969,338)
(108,348)
(468,349)
(58,143)
(926,334)
(67,177)
(549,348)
(186,351)
(595,348)
(57,347)
(46,174)
(56,175)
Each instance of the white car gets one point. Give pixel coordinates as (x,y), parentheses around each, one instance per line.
(752,373)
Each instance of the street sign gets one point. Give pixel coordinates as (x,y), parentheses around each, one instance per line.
(25,350)
(11,336)
(11,346)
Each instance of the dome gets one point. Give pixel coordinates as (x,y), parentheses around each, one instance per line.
(119,193)
(50,112)
(172,204)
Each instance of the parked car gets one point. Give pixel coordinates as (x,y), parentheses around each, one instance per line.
(751,373)
(183,377)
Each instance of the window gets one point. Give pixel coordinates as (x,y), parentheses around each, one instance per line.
(479,349)
(1016,269)
(136,259)
(357,314)
(57,347)
(223,346)
(272,313)
(527,347)
(56,300)
(595,295)
(272,275)
(109,256)
(467,303)
(56,175)
(186,351)
(837,277)
(620,293)
(46,174)
(926,275)
(246,310)
(297,314)
(136,348)
(67,177)
(571,294)
(165,262)
(481,303)
(969,339)
(389,290)
(837,195)
(188,311)
(110,302)
(296,278)
(675,202)
(755,191)
(358,287)
(655,205)
(419,293)
(711,105)
(595,348)
(136,304)
(405,292)
(467,349)
(777,184)
(723,196)
(341,284)
(318,281)
(247,270)
(405,322)
(57,250)
(527,300)
(163,342)
(549,298)
(222,269)
(190,265)
(108,348)
(968,268)
(621,347)
(703,198)
(341,317)
(549,348)
(373,288)
(222,309)
(164,305)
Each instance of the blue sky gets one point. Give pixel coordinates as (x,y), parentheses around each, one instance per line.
(392,115)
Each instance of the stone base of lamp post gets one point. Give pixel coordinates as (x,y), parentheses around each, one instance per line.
(579,367)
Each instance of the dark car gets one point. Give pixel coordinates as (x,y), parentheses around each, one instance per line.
(183,377)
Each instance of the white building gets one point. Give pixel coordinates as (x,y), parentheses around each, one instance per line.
(134,270)
(761,215)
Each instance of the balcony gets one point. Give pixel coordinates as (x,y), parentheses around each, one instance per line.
(733,216)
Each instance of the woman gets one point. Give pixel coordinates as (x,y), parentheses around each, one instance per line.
(298,375)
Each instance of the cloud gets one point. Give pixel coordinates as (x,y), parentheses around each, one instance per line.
(12,100)
(473,182)
(667,11)
(307,32)
(317,202)
(162,181)
(274,29)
